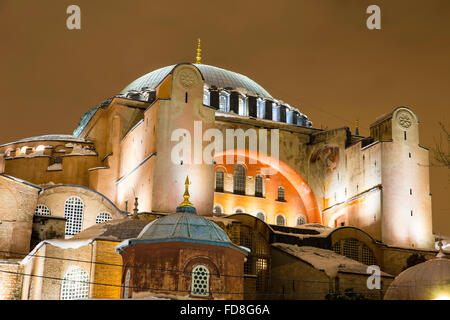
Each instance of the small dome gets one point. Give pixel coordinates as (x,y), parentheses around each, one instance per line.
(218,77)
(185,225)
(425,281)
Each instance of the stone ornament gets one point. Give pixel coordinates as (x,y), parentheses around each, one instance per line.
(187,78)
(404,119)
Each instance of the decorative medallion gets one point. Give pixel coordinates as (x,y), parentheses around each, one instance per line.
(187,77)
(404,119)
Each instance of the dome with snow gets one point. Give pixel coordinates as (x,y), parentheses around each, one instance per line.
(183,226)
(213,76)
(429,280)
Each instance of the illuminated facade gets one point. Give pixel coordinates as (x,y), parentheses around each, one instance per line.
(124,148)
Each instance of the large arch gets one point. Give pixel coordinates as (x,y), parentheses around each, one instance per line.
(302,188)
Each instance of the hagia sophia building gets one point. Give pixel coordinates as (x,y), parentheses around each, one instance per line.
(100,214)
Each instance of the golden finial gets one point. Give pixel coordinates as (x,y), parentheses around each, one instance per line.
(357,127)
(199,53)
(186,195)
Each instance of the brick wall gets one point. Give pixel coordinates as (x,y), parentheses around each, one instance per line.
(10,284)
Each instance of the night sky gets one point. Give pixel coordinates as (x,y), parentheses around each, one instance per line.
(316,55)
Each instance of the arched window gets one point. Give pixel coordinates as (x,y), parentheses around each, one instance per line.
(75,284)
(103,217)
(280,221)
(239,210)
(239,179)
(281,194)
(260,215)
(289,116)
(200,281)
(301,219)
(242,106)
(126,289)
(42,210)
(224,104)
(219,180)
(356,250)
(275,112)
(217,209)
(260,108)
(258,186)
(206,96)
(73,212)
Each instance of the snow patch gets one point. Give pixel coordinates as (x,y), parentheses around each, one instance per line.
(81,150)
(55,167)
(325,260)
(60,243)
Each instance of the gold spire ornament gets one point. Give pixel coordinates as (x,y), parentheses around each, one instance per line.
(186,195)
(199,53)
(357,127)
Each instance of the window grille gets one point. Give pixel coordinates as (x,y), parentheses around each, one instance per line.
(280,220)
(42,210)
(103,217)
(356,250)
(75,284)
(200,281)
(351,248)
(73,212)
(239,179)
(367,256)
(261,216)
(281,194)
(301,219)
(258,186)
(219,180)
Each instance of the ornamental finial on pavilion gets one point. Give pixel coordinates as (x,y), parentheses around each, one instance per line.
(199,53)
(186,195)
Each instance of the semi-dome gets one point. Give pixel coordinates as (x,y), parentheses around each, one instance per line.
(428,280)
(218,77)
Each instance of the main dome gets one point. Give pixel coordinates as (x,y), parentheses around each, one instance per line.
(218,77)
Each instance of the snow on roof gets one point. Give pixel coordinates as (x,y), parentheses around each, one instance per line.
(60,243)
(325,260)
(224,220)
(322,231)
(80,150)
(50,137)
(113,230)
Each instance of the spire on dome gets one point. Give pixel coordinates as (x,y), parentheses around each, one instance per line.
(357,127)
(186,195)
(199,53)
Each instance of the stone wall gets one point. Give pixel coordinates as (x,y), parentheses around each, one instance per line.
(10,283)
